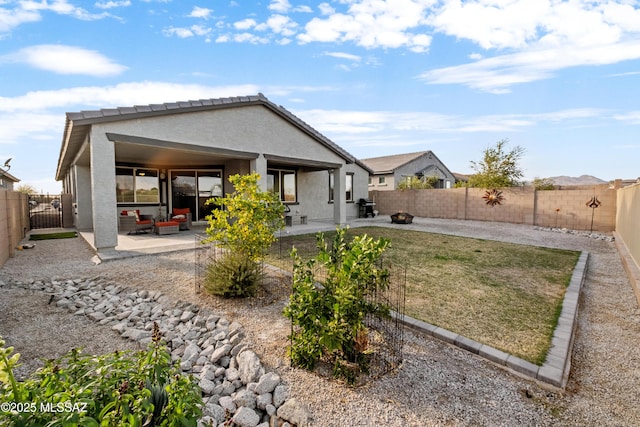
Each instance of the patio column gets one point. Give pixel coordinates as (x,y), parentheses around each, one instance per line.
(82,179)
(339,200)
(103,190)
(259,165)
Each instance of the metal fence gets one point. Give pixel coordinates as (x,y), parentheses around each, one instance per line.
(45,211)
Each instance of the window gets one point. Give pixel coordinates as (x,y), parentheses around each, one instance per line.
(348,187)
(135,185)
(381,180)
(282,182)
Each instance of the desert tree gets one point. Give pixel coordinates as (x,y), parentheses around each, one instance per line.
(498,167)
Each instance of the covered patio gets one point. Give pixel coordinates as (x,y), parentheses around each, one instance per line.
(132,245)
(156,159)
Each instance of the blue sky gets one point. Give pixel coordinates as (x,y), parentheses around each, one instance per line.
(378,77)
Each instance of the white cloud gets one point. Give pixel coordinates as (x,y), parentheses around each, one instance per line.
(412,125)
(280,6)
(181,32)
(26,126)
(186,32)
(62,7)
(632,117)
(63,59)
(249,38)
(540,37)
(491,23)
(245,24)
(10,19)
(326,9)
(200,12)
(123,94)
(497,74)
(372,24)
(31,11)
(303,9)
(280,24)
(343,55)
(200,30)
(112,4)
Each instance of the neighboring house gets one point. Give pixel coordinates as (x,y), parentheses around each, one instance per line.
(178,155)
(390,171)
(7,180)
(461,177)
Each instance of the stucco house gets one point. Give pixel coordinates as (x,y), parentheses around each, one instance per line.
(154,158)
(390,171)
(7,180)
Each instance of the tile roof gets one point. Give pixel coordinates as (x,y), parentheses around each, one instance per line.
(387,164)
(78,123)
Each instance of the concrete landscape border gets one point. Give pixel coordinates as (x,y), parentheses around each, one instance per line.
(557,365)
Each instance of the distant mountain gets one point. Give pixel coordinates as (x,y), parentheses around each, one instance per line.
(581,180)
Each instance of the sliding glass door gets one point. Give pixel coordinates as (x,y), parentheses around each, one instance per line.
(192,188)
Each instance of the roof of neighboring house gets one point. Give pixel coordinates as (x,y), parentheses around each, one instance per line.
(7,175)
(388,164)
(461,176)
(78,124)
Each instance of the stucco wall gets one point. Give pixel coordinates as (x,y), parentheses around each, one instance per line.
(14,222)
(425,165)
(313,194)
(522,205)
(251,128)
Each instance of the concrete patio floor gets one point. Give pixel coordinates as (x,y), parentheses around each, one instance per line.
(130,245)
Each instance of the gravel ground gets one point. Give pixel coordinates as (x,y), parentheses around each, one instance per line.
(437,384)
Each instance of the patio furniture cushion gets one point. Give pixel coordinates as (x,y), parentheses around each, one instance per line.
(182,216)
(129,222)
(135,212)
(181,211)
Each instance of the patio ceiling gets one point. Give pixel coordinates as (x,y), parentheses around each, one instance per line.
(163,154)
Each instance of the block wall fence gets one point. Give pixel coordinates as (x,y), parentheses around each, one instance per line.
(562,208)
(619,210)
(14,222)
(628,233)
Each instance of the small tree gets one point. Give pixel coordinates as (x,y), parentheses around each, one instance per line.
(245,225)
(26,189)
(416,183)
(498,168)
(329,318)
(543,183)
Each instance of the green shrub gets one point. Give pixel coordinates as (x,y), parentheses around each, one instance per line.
(247,219)
(117,389)
(418,183)
(233,275)
(328,317)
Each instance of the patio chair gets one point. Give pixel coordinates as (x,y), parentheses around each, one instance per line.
(132,222)
(182,216)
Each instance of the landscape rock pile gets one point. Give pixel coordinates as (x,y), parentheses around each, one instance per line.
(234,383)
(589,234)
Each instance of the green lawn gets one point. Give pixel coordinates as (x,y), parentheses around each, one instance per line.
(504,295)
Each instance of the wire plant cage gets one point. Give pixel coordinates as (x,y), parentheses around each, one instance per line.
(275,283)
(385,333)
